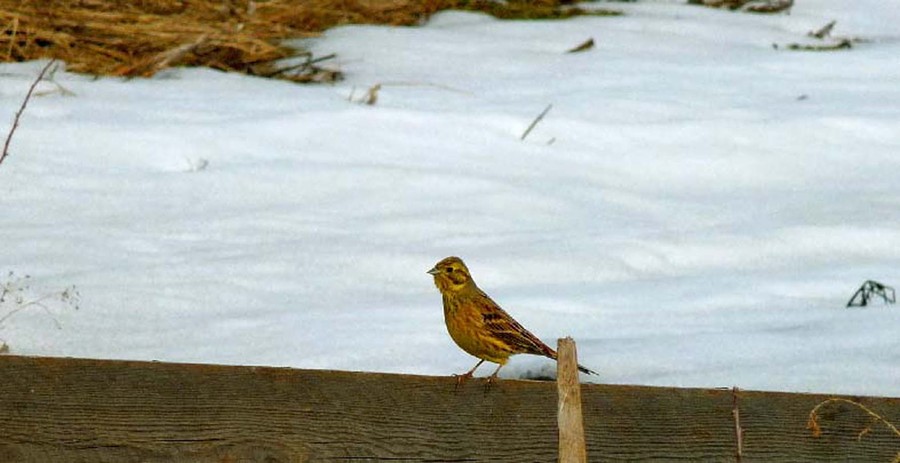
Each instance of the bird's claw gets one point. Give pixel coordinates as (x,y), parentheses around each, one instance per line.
(460,379)
(491,380)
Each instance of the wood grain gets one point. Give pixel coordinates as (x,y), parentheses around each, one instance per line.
(569,417)
(73,410)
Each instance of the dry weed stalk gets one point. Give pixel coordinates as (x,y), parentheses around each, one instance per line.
(841,44)
(813,422)
(15,296)
(50,78)
(164,59)
(750,6)
(371,96)
(535,121)
(823,32)
(770,6)
(586,45)
(21,110)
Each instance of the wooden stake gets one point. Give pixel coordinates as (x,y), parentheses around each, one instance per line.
(738,430)
(571,423)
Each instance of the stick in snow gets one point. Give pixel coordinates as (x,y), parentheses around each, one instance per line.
(536,120)
(15,124)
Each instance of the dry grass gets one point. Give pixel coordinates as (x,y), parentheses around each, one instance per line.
(876,418)
(750,6)
(140,37)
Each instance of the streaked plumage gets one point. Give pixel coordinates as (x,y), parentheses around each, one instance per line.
(477,324)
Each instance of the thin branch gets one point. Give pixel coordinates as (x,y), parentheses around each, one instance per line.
(772,6)
(401,83)
(21,110)
(823,32)
(586,45)
(306,64)
(536,120)
(39,302)
(839,45)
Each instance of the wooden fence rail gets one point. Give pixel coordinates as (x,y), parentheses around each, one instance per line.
(73,410)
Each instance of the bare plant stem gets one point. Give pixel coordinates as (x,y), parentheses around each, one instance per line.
(536,120)
(21,110)
(823,32)
(34,303)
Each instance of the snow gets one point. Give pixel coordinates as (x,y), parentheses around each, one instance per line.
(695,210)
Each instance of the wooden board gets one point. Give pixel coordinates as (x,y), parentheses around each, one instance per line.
(73,410)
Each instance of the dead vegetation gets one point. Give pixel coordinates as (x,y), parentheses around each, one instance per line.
(750,6)
(874,419)
(827,42)
(16,296)
(138,39)
(15,124)
(530,9)
(583,46)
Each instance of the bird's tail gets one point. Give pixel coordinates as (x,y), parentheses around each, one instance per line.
(552,354)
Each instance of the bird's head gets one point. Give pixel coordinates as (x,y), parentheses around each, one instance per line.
(451,274)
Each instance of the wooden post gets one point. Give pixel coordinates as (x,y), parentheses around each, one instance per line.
(571,423)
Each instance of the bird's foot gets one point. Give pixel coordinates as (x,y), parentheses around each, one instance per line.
(462,378)
(490,382)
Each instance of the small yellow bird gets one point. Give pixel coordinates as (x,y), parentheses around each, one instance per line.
(478,325)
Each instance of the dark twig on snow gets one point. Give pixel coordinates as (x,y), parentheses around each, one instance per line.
(822,32)
(586,45)
(310,61)
(21,110)
(839,45)
(536,120)
(869,290)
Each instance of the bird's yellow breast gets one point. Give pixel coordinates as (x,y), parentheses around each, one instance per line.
(465,323)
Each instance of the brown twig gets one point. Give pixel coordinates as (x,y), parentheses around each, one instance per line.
(15,124)
(307,64)
(822,32)
(586,45)
(164,59)
(839,45)
(772,6)
(535,121)
(371,95)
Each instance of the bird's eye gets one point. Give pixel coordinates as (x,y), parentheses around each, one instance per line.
(448,269)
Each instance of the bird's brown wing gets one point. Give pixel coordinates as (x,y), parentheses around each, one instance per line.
(509,332)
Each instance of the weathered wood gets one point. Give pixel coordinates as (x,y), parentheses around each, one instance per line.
(70,410)
(569,417)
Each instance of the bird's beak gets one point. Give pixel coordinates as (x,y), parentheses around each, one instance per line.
(433,271)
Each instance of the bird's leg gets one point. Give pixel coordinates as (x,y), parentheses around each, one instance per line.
(463,377)
(491,379)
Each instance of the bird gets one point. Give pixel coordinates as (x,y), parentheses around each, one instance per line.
(478,325)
